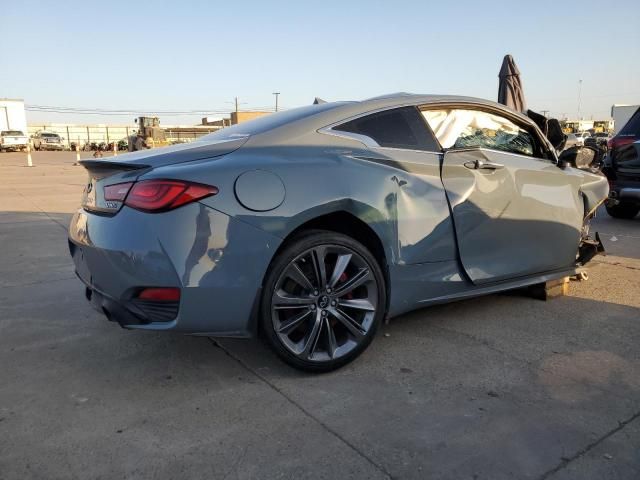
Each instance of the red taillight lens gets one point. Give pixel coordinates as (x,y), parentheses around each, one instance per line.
(164,294)
(117,192)
(617,142)
(162,195)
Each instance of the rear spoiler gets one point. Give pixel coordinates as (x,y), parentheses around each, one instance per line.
(105,164)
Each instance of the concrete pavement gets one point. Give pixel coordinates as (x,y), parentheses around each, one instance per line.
(503,386)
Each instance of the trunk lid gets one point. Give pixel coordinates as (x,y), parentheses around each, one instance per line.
(129,167)
(184,152)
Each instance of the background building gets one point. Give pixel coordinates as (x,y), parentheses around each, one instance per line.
(233,118)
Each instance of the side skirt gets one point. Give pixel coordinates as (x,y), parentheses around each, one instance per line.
(500,286)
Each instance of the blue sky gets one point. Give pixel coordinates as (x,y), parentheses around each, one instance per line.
(198,55)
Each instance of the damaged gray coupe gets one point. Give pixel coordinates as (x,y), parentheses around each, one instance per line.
(312,226)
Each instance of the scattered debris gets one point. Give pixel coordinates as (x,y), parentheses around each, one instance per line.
(406,370)
(493,394)
(614,239)
(387,335)
(607,456)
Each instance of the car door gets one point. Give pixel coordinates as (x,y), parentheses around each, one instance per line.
(515,212)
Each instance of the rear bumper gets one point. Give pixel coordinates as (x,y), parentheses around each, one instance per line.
(13,146)
(217,262)
(624,194)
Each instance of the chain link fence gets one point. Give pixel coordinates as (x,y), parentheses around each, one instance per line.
(90,136)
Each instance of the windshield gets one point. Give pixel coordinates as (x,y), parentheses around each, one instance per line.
(49,135)
(12,133)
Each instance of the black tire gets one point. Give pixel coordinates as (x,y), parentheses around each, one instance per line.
(623,210)
(326,322)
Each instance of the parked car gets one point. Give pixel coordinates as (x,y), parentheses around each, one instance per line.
(572,141)
(13,140)
(47,141)
(315,224)
(602,138)
(622,169)
(581,137)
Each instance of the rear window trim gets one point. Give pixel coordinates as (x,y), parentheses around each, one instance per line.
(370,142)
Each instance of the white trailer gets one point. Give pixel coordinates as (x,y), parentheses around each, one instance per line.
(12,115)
(621,115)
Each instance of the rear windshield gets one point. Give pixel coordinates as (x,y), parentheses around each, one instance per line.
(50,135)
(12,133)
(632,127)
(268,122)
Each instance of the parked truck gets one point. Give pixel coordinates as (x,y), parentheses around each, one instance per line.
(13,125)
(13,140)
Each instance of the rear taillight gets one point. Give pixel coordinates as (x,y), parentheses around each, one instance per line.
(155,196)
(617,142)
(117,192)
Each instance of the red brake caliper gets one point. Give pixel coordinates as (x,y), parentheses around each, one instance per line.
(343,278)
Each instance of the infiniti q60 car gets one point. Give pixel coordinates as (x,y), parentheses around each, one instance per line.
(312,226)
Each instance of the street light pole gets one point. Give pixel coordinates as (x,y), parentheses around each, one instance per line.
(579,97)
(276,94)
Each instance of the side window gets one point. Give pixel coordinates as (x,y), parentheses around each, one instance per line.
(457,128)
(397,128)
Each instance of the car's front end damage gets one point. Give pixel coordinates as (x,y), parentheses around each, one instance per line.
(595,191)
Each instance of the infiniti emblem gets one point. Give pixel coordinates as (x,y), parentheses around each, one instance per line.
(323,301)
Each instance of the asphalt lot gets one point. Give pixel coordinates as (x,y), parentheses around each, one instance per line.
(503,386)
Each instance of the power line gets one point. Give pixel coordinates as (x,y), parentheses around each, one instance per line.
(104,111)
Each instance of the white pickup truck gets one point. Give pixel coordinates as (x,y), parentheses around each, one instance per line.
(13,140)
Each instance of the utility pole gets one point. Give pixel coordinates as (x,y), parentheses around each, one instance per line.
(579,97)
(237,104)
(276,94)
(544,112)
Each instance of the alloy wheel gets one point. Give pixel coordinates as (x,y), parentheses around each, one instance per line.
(324,303)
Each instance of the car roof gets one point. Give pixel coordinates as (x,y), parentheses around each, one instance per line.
(316,116)
(403,98)
(290,125)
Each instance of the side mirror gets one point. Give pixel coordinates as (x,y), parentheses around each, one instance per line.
(584,158)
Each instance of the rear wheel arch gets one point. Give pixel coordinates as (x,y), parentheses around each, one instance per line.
(347,224)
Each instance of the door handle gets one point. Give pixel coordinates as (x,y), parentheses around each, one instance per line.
(483,165)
